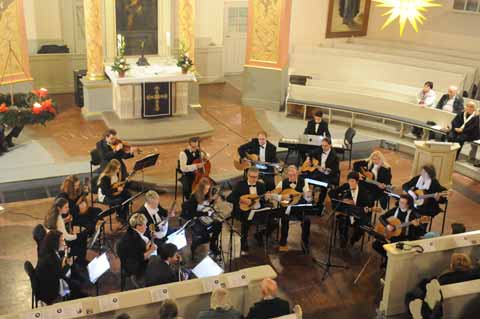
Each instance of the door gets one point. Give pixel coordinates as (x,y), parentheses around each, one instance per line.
(235,36)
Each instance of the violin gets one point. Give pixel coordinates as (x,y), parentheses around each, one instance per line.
(127,148)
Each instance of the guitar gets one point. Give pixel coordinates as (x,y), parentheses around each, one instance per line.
(160,229)
(253,159)
(421,196)
(395,222)
(313,166)
(369,178)
(289,197)
(254,200)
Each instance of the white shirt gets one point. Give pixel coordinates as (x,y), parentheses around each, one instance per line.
(252,189)
(449,105)
(153,213)
(375,169)
(182,157)
(293,185)
(316,127)
(428,98)
(261,154)
(145,238)
(324,157)
(61,228)
(354,195)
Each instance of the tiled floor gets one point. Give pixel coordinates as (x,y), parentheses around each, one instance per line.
(334,298)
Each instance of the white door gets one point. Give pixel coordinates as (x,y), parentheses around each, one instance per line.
(235,36)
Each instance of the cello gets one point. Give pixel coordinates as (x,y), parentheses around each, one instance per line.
(204,171)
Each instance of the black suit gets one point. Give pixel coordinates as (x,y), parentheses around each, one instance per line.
(107,154)
(430,206)
(384,175)
(240,189)
(322,129)
(131,249)
(333,163)
(253,147)
(361,217)
(159,272)
(457,104)
(162,212)
(469,133)
(269,308)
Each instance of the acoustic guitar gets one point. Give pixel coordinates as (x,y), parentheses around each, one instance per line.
(399,226)
(369,178)
(421,196)
(289,197)
(254,200)
(253,159)
(313,166)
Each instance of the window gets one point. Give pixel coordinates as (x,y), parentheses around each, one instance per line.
(467,5)
(237,19)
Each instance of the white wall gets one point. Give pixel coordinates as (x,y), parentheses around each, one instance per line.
(443,28)
(42,19)
(209,20)
(308,22)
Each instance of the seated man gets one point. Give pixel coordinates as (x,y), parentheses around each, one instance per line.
(427,96)
(159,269)
(317,126)
(109,148)
(187,157)
(297,183)
(270,306)
(266,152)
(451,102)
(352,198)
(464,126)
(220,307)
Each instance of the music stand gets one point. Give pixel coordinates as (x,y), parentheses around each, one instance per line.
(129,202)
(147,161)
(262,216)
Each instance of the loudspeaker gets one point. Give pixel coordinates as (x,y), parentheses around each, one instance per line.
(78,86)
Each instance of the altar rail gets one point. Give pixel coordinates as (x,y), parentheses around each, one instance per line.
(365,105)
(191,296)
(406,268)
(335,64)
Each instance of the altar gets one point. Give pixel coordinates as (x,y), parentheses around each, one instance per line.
(150,91)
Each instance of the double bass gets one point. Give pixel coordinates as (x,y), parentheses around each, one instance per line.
(203,171)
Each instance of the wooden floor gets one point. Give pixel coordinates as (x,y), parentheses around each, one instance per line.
(300,277)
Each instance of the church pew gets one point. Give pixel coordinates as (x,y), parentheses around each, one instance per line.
(406,268)
(366,105)
(191,296)
(335,64)
(457,296)
(425,56)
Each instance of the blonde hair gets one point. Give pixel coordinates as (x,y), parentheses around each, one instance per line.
(380,156)
(460,262)
(137,219)
(200,195)
(269,287)
(151,195)
(220,299)
(109,170)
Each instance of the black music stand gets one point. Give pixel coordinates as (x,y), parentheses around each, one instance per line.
(263,216)
(129,202)
(147,161)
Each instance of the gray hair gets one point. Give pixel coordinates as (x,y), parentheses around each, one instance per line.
(137,219)
(220,299)
(151,195)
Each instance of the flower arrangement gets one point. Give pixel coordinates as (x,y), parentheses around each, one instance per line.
(120,64)
(183,60)
(32,108)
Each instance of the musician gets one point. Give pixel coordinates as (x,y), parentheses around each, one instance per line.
(329,170)
(200,204)
(428,183)
(111,191)
(159,269)
(109,148)
(266,152)
(404,213)
(56,219)
(355,201)
(297,183)
(317,126)
(134,248)
(380,172)
(82,213)
(464,127)
(187,158)
(156,216)
(251,186)
(54,271)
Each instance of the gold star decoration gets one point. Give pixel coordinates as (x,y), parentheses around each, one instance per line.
(411,10)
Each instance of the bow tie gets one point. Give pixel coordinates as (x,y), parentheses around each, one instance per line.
(254,185)
(262,146)
(325,153)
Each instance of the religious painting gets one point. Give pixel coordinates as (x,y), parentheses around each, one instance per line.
(137,20)
(157,99)
(347,18)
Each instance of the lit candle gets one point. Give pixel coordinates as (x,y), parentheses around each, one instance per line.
(37,105)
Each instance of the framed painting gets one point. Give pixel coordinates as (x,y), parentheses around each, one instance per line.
(137,20)
(347,18)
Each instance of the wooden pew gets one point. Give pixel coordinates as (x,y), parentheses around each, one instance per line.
(191,296)
(407,267)
(457,296)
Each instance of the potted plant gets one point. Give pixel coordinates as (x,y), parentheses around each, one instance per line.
(120,64)
(183,60)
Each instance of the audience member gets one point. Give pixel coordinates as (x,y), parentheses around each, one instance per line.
(270,306)
(168,310)
(220,307)
(461,269)
(427,96)
(159,269)
(451,102)
(464,127)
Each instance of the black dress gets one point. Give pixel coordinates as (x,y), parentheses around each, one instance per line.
(384,175)
(111,199)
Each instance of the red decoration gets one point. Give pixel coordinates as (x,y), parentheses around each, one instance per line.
(41,93)
(3,108)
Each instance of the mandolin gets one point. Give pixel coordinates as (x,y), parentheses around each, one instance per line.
(395,222)
(313,166)
(124,182)
(254,200)
(289,197)
(160,229)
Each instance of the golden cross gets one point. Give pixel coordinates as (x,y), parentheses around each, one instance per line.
(157,97)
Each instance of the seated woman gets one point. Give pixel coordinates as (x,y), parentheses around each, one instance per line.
(461,269)
(378,175)
(56,219)
(427,184)
(199,205)
(220,306)
(82,213)
(111,188)
(54,272)
(134,248)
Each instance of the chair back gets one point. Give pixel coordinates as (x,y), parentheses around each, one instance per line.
(28,267)
(95,157)
(349,135)
(38,235)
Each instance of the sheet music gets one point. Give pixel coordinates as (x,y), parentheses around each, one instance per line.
(253,211)
(97,267)
(163,229)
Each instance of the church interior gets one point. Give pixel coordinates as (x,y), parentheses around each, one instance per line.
(236,159)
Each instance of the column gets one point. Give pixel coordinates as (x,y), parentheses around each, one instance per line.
(93,35)
(266,69)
